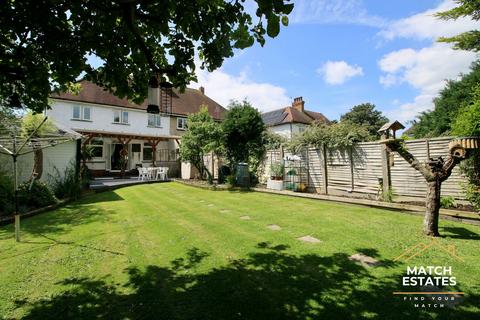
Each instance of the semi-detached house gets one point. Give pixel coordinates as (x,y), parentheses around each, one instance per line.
(114,126)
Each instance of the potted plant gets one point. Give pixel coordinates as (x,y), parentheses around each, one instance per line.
(276,171)
(276,176)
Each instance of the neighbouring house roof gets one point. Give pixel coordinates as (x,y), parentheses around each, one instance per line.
(183,103)
(292,115)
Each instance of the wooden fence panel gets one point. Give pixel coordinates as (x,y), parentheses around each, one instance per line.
(367,167)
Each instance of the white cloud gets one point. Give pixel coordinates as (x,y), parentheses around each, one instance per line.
(223,87)
(337,72)
(425,25)
(426,70)
(334,11)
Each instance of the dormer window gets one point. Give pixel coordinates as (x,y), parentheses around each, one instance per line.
(81,113)
(120,116)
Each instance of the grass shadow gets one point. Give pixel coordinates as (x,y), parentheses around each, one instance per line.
(459,233)
(269,284)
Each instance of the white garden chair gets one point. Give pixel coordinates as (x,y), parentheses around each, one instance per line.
(162,173)
(142,173)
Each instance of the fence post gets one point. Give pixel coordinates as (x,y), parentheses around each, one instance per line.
(352,173)
(386,176)
(324,170)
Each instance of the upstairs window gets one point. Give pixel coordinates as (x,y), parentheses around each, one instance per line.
(181,123)
(154,120)
(81,113)
(120,116)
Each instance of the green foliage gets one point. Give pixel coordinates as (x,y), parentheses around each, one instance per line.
(244,133)
(32,121)
(68,184)
(469,40)
(455,96)
(35,196)
(132,39)
(6,193)
(272,140)
(339,135)
(472,194)
(277,170)
(447,202)
(467,122)
(388,196)
(366,116)
(203,136)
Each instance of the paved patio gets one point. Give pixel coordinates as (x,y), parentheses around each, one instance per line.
(112,182)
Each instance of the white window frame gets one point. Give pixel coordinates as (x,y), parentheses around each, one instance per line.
(181,123)
(122,116)
(81,113)
(98,143)
(156,120)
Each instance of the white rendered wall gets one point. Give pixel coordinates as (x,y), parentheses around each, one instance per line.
(102,119)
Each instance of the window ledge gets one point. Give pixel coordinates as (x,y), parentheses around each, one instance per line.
(181,129)
(82,120)
(157,127)
(122,124)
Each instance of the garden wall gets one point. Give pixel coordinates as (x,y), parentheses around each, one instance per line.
(358,172)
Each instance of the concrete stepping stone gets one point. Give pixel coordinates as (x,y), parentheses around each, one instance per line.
(274,227)
(364,259)
(245,218)
(309,239)
(224,211)
(210,205)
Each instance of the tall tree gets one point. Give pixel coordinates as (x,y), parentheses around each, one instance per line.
(469,40)
(203,137)
(455,95)
(244,133)
(366,116)
(45,44)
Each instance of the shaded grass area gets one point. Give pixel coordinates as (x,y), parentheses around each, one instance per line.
(171,251)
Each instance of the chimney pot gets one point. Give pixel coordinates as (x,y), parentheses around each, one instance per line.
(202,90)
(298,103)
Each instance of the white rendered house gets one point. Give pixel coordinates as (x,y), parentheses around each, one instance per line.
(292,120)
(118,130)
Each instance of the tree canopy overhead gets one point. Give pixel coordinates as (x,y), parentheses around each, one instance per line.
(469,40)
(44,44)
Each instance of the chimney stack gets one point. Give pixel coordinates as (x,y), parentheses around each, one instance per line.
(298,103)
(202,90)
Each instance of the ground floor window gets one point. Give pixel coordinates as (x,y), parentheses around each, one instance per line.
(96,146)
(147,151)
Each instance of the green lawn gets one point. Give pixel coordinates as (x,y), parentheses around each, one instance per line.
(170,251)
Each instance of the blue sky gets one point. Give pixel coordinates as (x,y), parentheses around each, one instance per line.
(339,53)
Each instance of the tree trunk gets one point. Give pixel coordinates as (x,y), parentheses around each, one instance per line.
(432,204)
(37,164)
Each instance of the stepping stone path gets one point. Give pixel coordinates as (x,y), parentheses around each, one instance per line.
(364,260)
(274,227)
(309,239)
(245,218)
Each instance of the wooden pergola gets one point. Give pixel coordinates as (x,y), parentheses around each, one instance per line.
(124,140)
